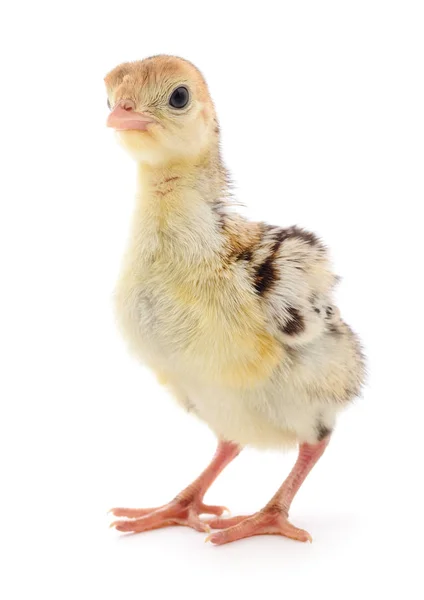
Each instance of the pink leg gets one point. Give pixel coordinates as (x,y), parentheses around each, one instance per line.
(187,506)
(273,518)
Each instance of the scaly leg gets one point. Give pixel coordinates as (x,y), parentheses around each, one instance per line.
(187,506)
(273,518)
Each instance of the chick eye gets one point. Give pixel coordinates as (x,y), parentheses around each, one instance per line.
(179,97)
(108,104)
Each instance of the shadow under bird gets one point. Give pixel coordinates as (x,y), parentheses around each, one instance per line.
(235,317)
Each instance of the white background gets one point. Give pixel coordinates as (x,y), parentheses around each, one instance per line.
(321,106)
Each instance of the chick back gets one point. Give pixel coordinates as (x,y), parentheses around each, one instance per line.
(291,274)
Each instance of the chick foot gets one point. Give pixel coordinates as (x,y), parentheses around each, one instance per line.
(273,519)
(268,521)
(181,511)
(187,507)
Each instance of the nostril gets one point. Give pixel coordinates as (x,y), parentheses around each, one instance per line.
(127,105)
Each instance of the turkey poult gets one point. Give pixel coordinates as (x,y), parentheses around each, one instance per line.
(236,318)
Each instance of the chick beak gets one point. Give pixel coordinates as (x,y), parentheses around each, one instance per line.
(124,117)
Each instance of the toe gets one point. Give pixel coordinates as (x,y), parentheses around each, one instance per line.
(207,509)
(198,525)
(195,522)
(131,513)
(222,537)
(150,521)
(121,525)
(140,525)
(294,533)
(224,523)
(242,527)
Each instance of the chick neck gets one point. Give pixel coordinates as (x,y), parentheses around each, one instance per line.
(204,173)
(177,205)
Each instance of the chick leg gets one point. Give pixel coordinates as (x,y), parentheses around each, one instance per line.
(273,518)
(187,506)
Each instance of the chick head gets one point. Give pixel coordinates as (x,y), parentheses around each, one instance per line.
(161,110)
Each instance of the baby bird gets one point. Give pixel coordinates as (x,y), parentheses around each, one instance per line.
(236,318)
